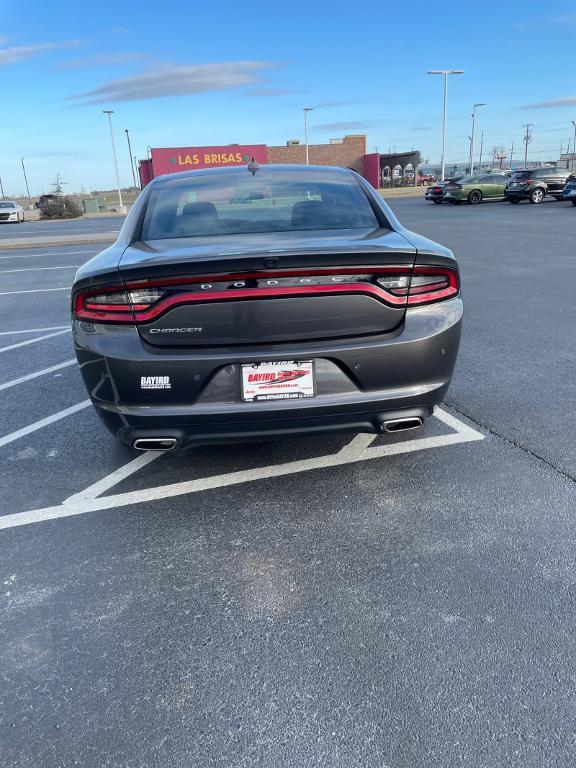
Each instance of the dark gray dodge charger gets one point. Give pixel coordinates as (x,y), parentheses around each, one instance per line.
(261,302)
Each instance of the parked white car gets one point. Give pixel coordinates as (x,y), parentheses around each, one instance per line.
(11,211)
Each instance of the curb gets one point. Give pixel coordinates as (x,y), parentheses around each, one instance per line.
(50,242)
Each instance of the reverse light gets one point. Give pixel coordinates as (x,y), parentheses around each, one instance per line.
(424,286)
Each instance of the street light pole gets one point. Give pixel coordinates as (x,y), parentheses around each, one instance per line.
(574,148)
(26,181)
(306,110)
(445,72)
(130,155)
(110,112)
(478,104)
(137,172)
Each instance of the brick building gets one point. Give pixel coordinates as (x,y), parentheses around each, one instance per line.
(348,152)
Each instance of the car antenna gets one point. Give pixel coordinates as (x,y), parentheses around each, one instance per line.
(253,167)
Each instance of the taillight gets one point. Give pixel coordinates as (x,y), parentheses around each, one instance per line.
(113,305)
(142,302)
(425,286)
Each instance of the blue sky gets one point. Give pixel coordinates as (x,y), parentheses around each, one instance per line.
(185,74)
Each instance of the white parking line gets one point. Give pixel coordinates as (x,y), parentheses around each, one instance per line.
(35,375)
(43,423)
(33,341)
(53,253)
(35,269)
(357,450)
(34,330)
(34,290)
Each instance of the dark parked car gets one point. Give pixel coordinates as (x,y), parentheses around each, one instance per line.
(569,191)
(309,310)
(435,193)
(536,184)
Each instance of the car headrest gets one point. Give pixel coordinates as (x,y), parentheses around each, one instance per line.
(200,209)
(308,213)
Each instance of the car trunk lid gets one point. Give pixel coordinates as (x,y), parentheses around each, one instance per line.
(254,290)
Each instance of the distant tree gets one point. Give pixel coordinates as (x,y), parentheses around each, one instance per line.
(58,205)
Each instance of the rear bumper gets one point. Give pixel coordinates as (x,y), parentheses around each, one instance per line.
(360,382)
(290,425)
(518,194)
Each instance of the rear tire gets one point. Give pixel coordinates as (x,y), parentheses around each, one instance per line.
(438,202)
(475,197)
(537,195)
(513,200)
(559,198)
(573,202)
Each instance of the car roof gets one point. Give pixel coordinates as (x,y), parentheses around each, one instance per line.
(263,169)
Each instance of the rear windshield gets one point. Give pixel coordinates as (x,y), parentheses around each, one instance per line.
(238,203)
(7,205)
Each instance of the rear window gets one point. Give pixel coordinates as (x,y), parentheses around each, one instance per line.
(239,203)
(523,175)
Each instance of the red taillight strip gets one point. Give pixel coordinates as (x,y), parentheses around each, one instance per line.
(143,313)
(107,307)
(265,293)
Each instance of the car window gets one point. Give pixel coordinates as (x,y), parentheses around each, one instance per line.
(239,202)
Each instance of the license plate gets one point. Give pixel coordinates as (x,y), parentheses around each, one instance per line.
(278,380)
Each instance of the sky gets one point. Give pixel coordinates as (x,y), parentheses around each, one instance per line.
(202,73)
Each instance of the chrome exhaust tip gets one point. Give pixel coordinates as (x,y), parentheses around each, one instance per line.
(155,443)
(402,425)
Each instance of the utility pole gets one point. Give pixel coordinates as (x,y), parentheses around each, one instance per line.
(121,206)
(527,140)
(130,155)
(1,189)
(511,154)
(26,181)
(574,147)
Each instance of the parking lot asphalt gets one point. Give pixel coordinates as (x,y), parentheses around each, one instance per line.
(401,602)
(42,229)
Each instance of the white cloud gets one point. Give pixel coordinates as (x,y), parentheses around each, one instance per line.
(104,60)
(569,101)
(17,53)
(175,80)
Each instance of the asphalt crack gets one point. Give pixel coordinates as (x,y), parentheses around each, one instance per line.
(514,443)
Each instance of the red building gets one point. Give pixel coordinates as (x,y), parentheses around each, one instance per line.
(349,152)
